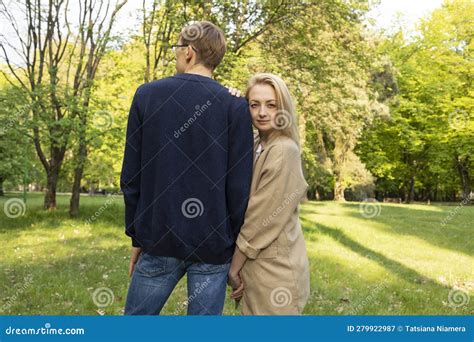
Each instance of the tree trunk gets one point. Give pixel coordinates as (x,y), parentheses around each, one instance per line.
(1,186)
(339,190)
(463,170)
(410,191)
(51,183)
(76,187)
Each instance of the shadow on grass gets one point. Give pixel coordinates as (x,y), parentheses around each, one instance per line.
(420,223)
(395,267)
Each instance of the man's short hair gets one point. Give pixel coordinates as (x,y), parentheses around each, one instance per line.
(208,40)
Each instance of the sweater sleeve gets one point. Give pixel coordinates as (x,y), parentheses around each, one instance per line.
(131,168)
(240,162)
(272,205)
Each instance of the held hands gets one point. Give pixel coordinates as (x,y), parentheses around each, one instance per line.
(235,281)
(133,259)
(235,278)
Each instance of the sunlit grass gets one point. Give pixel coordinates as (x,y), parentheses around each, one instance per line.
(402,261)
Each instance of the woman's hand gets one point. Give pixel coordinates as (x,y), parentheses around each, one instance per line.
(238,292)
(234,92)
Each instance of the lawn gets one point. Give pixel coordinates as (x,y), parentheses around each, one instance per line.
(394,260)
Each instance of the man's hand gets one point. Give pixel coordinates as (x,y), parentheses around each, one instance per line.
(133,259)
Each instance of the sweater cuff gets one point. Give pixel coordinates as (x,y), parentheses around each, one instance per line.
(246,248)
(135,243)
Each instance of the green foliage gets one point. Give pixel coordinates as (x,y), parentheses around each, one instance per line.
(426,148)
(386,113)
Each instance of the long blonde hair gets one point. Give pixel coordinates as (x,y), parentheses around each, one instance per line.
(285,119)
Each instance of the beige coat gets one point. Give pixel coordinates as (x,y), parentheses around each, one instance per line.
(276,275)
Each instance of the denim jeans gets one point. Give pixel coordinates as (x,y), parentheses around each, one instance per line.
(155,277)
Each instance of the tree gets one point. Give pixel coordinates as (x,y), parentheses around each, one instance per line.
(326,57)
(57,71)
(428,143)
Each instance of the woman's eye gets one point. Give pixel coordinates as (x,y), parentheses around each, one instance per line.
(271,105)
(253,105)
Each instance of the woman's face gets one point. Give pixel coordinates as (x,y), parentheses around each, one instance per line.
(263,107)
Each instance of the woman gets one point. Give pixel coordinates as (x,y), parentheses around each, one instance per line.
(269,269)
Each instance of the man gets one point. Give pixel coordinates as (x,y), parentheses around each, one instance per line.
(185,178)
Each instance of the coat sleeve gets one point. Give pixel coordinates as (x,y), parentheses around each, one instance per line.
(276,199)
(130,176)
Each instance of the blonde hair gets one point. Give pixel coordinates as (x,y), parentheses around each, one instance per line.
(285,119)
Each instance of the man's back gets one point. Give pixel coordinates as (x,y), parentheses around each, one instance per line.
(187,168)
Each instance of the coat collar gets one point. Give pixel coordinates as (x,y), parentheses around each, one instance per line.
(194,77)
(270,142)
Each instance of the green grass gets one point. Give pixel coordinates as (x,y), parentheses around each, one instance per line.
(403,261)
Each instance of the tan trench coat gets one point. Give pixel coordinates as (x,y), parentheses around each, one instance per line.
(276,274)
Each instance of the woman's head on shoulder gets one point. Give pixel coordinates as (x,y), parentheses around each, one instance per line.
(271,106)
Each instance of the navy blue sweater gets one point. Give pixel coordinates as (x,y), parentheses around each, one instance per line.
(187,168)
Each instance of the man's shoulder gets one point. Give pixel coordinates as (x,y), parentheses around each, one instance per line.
(153,85)
(237,103)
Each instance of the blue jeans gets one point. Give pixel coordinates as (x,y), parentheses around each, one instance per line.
(155,277)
